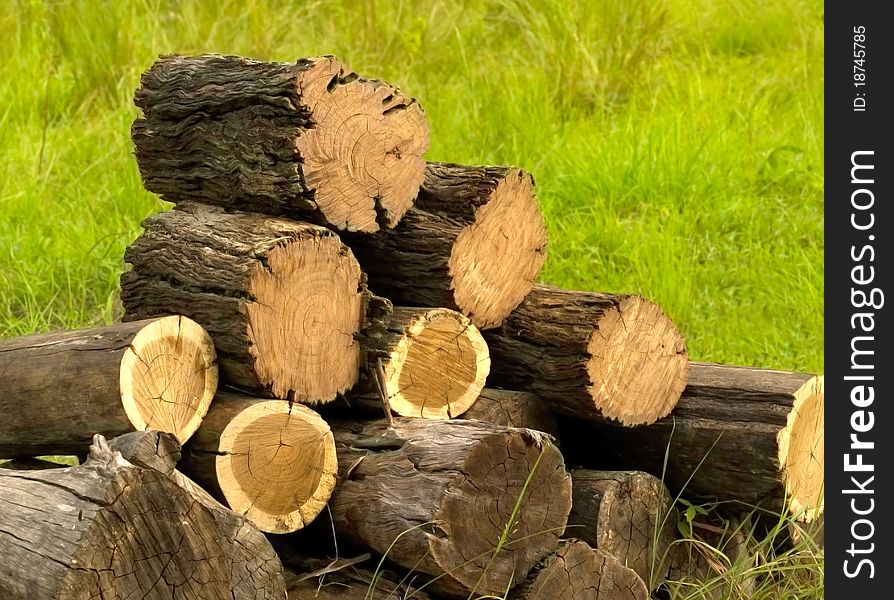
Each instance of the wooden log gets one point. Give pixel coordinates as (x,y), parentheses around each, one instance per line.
(58,389)
(272,462)
(108,529)
(738,434)
(437,496)
(475,242)
(311,140)
(513,409)
(253,567)
(281,299)
(575,570)
(629,514)
(347,579)
(591,355)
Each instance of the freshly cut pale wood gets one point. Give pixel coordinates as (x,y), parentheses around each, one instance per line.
(272,462)
(629,514)
(311,140)
(437,496)
(591,355)
(108,529)
(475,242)
(513,409)
(58,389)
(575,570)
(281,299)
(738,433)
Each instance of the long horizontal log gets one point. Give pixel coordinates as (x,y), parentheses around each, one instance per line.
(311,140)
(58,389)
(438,497)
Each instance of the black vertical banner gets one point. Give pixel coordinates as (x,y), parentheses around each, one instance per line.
(859,226)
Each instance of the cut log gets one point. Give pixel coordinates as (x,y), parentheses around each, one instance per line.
(513,409)
(434,362)
(281,299)
(58,389)
(108,529)
(271,461)
(437,496)
(475,242)
(580,572)
(591,355)
(629,514)
(253,568)
(751,435)
(345,579)
(311,140)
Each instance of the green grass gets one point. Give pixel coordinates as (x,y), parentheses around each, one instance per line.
(677,146)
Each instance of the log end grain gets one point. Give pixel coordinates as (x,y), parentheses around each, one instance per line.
(801,453)
(438,367)
(168,376)
(276,465)
(363,156)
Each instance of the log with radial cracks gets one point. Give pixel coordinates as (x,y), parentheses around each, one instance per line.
(311,140)
(271,461)
(591,355)
(629,514)
(434,361)
(108,529)
(281,299)
(253,568)
(58,389)
(475,242)
(513,409)
(739,433)
(437,496)
(580,572)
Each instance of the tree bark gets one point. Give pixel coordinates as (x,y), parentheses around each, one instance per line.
(629,514)
(513,409)
(474,242)
(580,572)
(272,462)
(738,433)
(310,140)
(436,497)
(58,389)
(109,529)
(281,299)
(591,355)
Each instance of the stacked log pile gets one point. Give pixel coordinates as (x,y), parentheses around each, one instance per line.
(342,334)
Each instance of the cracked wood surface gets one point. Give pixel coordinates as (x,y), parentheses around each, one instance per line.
(58,389)
(350,579)
(437,495)
(514,409)
(309,140)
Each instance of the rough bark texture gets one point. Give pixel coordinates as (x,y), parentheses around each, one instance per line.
(740,434)
(253,568)
(272,462)
(443,491)
(580,572)
(281,299)
(591,355)
(629,514)
(310,140)
(58,389)
(112,530)
(322,579)
(513,409)
(474,242)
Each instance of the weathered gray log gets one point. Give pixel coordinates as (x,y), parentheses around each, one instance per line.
(591,355)
(475,242)
(629,514)
(58,389)
(580,572)
(272,462)
(281,299)
(437,496)
(513,409)
(738,433)
(112,530)
(311,140)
